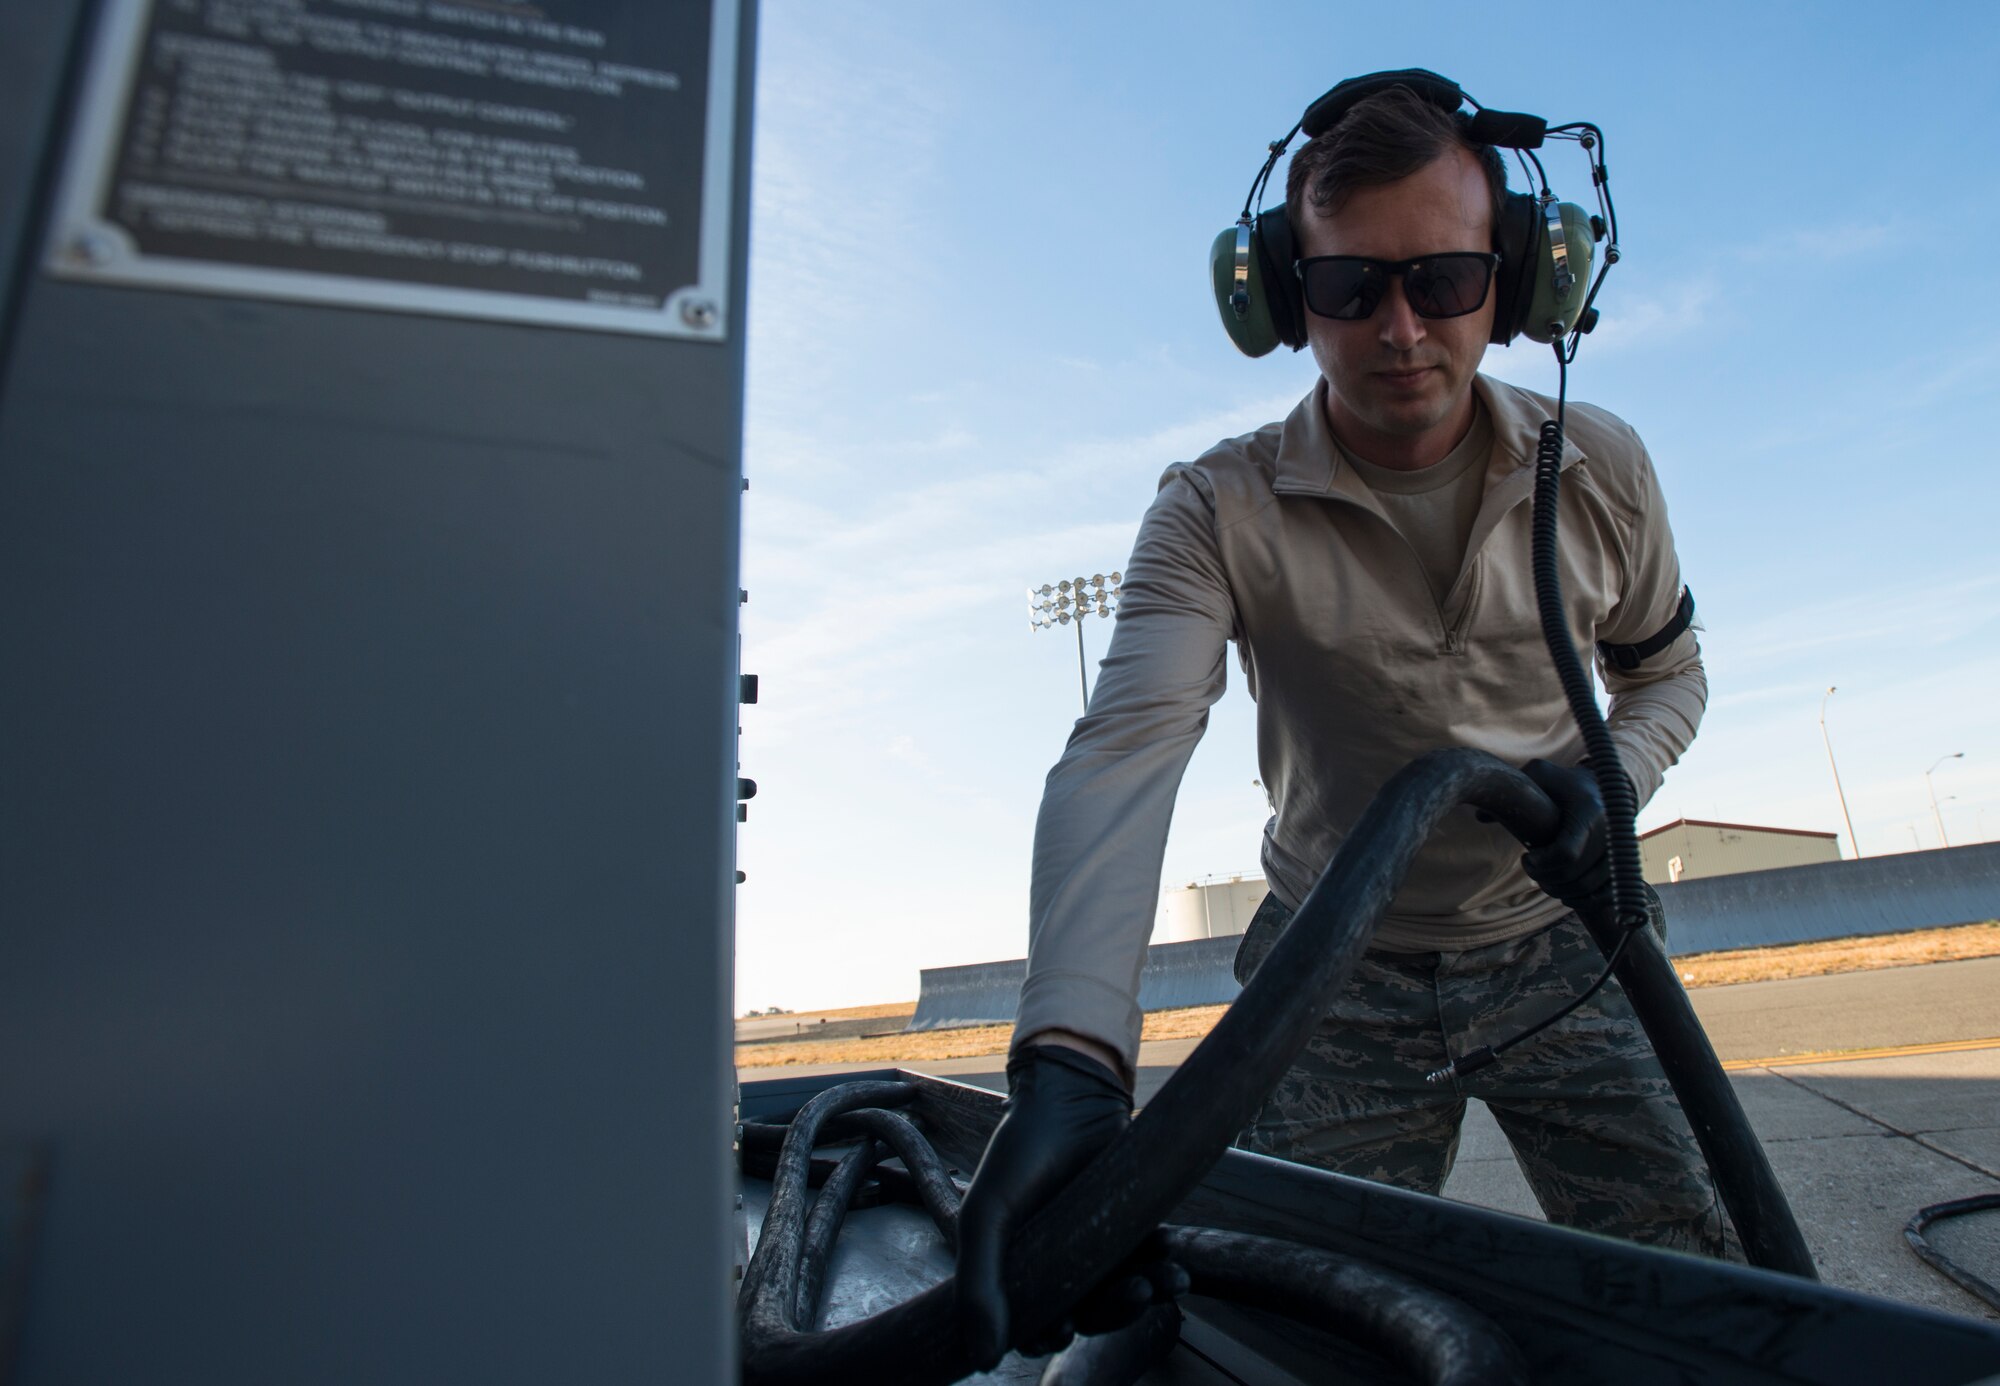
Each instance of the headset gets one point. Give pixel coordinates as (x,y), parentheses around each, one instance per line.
(1546,247)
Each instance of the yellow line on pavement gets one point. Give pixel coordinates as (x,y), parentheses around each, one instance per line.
(1841,1056)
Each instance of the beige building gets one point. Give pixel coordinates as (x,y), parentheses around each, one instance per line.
(1681,851)
(1690,848)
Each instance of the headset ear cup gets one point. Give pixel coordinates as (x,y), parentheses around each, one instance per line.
(1548,316)
(1518,239)
(1273,311)
(1250,329)
(1277,254)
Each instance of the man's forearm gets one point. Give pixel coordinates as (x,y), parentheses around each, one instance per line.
(1654,716)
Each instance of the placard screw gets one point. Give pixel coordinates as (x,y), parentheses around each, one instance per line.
(93,248)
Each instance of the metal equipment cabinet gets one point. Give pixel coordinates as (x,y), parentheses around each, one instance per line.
(367,737)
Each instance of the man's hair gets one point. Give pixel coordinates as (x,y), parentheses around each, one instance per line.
(1384,138)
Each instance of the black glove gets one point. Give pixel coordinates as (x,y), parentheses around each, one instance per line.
(1062,1109)
(1574,866)
(1144,1278)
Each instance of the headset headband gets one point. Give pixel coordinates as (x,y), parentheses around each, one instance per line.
(1326,112)
(1505,129)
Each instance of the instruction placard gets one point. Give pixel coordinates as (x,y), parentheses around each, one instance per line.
(564,162)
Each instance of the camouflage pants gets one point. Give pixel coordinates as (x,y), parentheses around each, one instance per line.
(1593,1122)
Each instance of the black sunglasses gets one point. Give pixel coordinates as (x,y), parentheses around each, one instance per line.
(1350,287)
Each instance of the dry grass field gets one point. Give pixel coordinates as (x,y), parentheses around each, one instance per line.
(1841,955)
(1698,970)
(899,1010)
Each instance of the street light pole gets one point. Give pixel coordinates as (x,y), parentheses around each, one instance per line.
(1852,842)
(1937,817)
(1072,599)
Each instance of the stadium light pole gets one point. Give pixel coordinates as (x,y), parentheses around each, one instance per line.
(1852,841)
(1937,817)
(1069,602)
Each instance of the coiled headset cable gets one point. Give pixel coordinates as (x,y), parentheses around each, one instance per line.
(1621,802)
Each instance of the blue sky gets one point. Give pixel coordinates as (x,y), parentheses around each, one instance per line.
(980,328)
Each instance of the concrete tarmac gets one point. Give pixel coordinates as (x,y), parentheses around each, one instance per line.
(1888,1007)
(1859,1144)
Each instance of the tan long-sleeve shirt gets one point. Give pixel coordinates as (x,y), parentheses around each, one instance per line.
(1357,667)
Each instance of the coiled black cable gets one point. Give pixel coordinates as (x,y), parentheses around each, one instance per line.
(1474,1060)
(1621,802)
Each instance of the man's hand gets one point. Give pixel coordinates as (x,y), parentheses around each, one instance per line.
(1574,866)
(1062,1108)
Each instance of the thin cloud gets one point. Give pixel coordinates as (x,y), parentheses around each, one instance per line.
(839,588)
(846,144)
(1866,401)
(1820,243)
(1626,324)
(1648,321)
(1790,694)
(1921,615)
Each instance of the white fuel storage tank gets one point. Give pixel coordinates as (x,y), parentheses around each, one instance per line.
(1211,908)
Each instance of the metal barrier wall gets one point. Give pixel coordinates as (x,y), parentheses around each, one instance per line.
(972,994)
(1756,909)
(1194,973)
(1834,899)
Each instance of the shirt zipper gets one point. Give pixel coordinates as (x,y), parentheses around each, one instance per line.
(1454,635)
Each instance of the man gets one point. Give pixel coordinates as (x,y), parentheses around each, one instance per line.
(1369,557)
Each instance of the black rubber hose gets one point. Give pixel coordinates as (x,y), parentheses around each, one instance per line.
(758,1144)
(893,1185)
(1937,1260)
(1439,1340)
(927,1176)
(829,1210)
(1743,1176)
(1139,1178)
(1118,1358)
(763,1164)
(767,1299)
(923,1180)
(1170,1147)
(781,1243)
(770,1135)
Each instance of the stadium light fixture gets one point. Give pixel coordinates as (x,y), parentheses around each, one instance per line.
(1070,602)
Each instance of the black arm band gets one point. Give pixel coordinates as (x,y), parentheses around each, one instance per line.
(1632,656)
